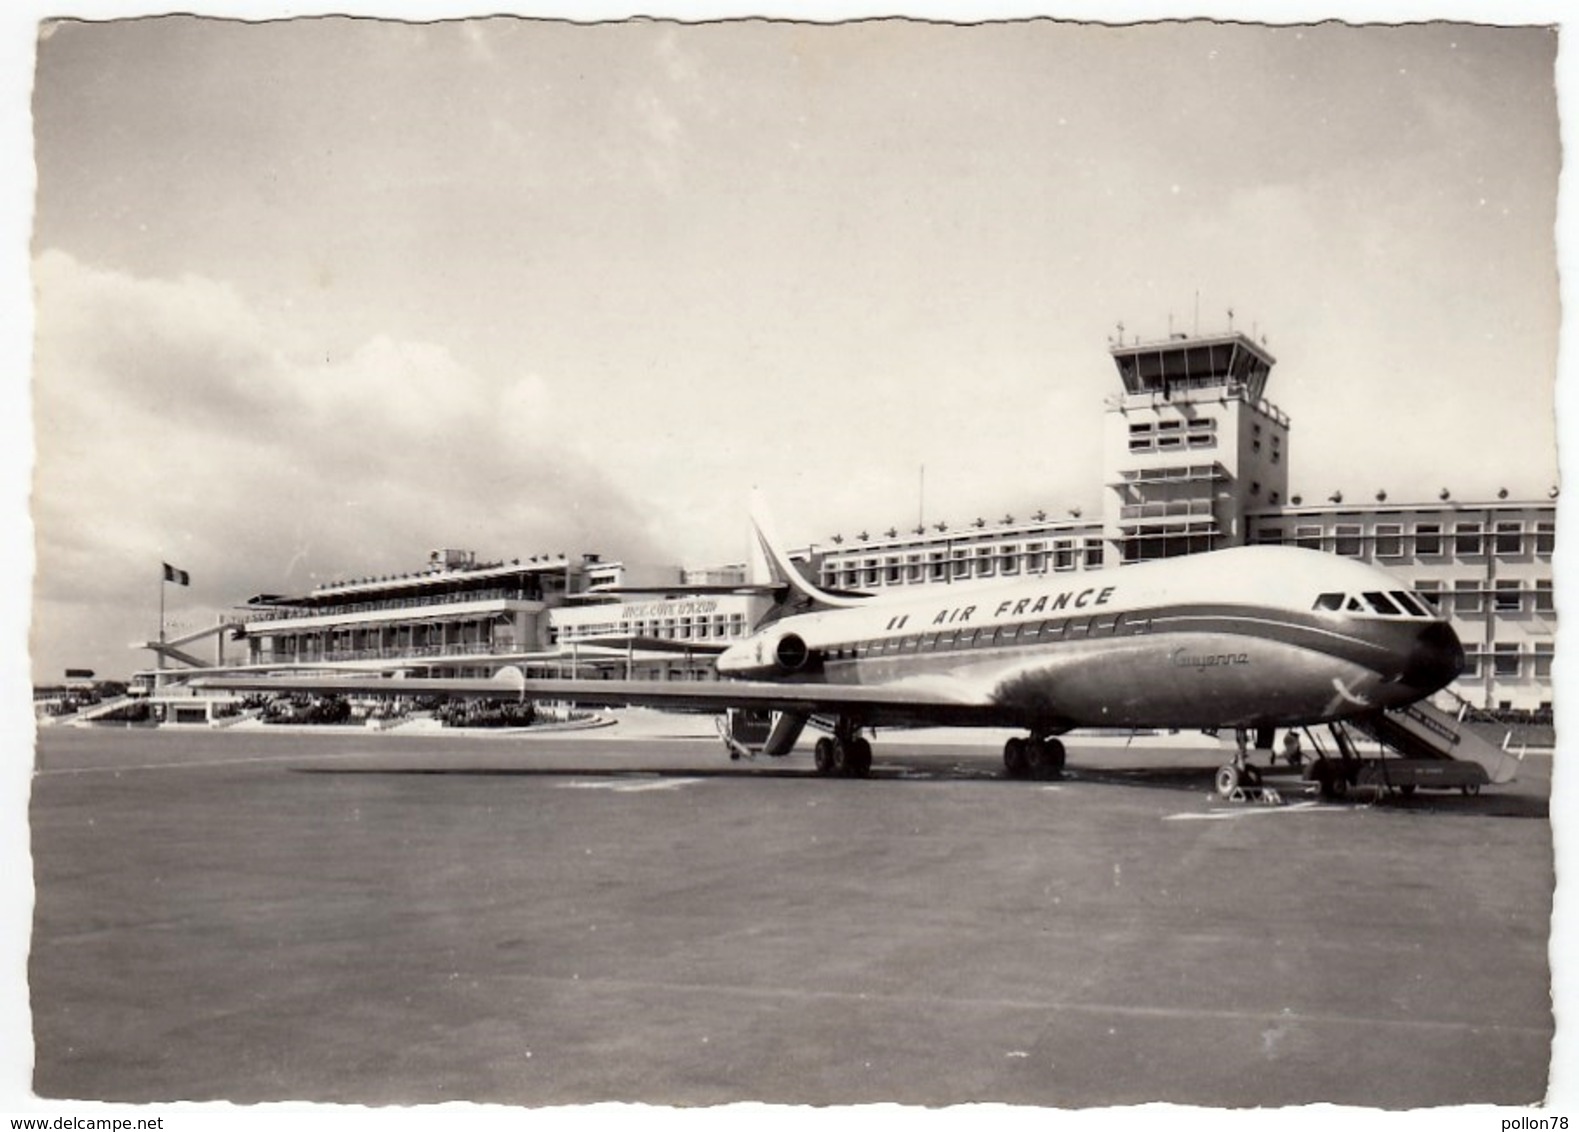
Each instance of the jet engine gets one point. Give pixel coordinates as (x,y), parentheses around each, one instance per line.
(785,655)
(791,654)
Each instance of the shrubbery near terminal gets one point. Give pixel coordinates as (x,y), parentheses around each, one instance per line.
(308,709)
(486,713)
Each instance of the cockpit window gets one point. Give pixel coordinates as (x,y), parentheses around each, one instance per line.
(1395,603)
(1409,604)
(1382,603)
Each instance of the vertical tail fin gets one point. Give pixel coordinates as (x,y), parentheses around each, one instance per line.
(804,596)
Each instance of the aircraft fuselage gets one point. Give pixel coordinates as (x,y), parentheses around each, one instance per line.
(1253,636)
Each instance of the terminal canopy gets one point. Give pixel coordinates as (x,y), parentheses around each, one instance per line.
(1183,362)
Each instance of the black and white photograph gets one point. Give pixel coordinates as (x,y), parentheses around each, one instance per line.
(764,563)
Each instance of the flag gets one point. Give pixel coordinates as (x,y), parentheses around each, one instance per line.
(179,577)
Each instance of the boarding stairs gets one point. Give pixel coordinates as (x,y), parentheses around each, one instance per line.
(1437,728)
(1433,747)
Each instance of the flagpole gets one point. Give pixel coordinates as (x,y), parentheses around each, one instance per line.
(159,653)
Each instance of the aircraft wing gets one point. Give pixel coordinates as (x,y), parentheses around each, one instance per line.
(925,699)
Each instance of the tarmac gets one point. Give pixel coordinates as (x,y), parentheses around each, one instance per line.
(624,914)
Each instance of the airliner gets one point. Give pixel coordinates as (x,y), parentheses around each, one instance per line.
(1250,637)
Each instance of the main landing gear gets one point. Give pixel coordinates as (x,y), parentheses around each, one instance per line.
(1039,756)
(845,754)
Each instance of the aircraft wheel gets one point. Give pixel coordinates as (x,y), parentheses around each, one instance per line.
(1046,757)
(822,755)
(1227,780)
(1016,760)
(858,761)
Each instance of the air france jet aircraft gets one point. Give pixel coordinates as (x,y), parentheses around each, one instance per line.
(1249,637)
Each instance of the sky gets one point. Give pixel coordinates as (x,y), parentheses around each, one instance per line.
(314,297)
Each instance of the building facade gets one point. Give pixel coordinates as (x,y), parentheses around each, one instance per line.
(551,615)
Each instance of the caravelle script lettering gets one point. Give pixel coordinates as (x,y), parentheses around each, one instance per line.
(1182,659)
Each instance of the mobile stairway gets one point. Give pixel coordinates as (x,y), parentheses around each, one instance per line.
(1433,748)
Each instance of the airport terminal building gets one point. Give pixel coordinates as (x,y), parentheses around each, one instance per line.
(1195,458)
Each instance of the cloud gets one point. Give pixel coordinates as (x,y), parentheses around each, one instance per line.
(175,423)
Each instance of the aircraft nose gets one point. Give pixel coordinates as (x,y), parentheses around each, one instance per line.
(1435,660)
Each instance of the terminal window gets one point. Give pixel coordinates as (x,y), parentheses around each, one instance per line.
(1350,540)
(1308,537)
(1468,539)
(1505,659)
(1428,539)
(1431,591)
(1545,537)
(1389,540)
(1507,597)
(1510,538)
(1466,597)
(1543,596)
(1543,660)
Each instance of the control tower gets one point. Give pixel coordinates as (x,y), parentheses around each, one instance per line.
(1190,445)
